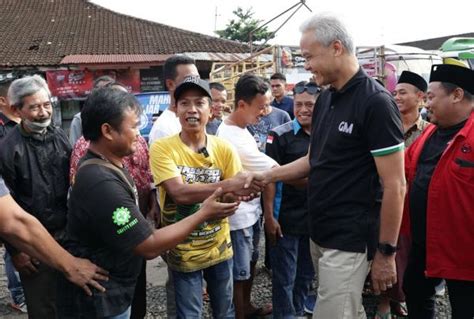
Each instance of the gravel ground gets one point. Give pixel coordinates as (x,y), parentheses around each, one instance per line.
(156,272)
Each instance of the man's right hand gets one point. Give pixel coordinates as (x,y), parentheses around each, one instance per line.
(264,178)
(273,230)
(25,264)
(245,185)
(83,273)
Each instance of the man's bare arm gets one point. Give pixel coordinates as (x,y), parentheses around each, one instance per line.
(390,169)
(272,227)
(392,176)
(26,233)
(295,170)
(301,183)
(168,237)
(182,193)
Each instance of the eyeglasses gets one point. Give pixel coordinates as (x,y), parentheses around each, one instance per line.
(311,88)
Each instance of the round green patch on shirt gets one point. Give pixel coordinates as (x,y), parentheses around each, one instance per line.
(121,216)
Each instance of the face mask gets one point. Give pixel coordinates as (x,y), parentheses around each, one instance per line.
(37,127)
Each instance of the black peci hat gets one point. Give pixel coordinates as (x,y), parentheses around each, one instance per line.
(457,75)
(413,79)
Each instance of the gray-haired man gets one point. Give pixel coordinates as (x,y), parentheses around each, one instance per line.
(356,147)
(34,161)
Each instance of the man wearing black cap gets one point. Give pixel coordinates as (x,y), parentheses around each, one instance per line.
(409,94)
(439,208)
(188,167)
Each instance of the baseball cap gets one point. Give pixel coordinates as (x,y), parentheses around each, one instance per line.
(192,82)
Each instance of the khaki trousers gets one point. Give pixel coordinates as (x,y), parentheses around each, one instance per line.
(341,277)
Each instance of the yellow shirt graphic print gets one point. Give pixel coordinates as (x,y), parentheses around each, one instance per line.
(209,243)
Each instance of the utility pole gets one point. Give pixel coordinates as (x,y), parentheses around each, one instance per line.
(215,20)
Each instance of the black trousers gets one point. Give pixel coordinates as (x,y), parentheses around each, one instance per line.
(40,292)
(420,290)
(139,298)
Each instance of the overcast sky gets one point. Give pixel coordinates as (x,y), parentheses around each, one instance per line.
(370,21)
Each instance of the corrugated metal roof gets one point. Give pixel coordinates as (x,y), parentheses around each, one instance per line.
(435,43)
(113,58)
(224,57)
(217,56)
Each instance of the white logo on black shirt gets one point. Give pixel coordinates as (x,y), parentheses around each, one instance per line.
(345,127)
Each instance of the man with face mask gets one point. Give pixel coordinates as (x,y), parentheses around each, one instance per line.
(34,161)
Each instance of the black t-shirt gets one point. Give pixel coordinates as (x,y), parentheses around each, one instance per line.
(350,127)
(429,158)
(104,225)
(285,144)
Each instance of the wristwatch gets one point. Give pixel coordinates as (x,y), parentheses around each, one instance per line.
(386,249)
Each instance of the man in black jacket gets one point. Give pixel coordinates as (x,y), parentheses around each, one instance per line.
(8,120)
(34,161)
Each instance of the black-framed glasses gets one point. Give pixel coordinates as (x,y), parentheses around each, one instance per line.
(311,88)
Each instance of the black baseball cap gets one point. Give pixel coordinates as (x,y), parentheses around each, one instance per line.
(192,82)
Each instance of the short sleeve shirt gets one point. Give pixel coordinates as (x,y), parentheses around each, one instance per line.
(287,143)
(350,127)
(104,225)
(252,160)
(3,188)
(209,244)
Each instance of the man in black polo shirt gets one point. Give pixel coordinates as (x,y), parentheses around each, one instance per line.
(104,222)
(286,210)
(356,146)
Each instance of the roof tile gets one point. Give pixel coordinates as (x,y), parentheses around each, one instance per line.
(43,32)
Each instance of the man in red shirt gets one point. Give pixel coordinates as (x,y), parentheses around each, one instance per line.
(439,210)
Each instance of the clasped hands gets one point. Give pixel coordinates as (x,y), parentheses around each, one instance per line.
(244,186)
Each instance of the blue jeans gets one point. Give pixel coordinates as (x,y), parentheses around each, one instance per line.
(292,274)
(188,291)
(14,282)
(123,315)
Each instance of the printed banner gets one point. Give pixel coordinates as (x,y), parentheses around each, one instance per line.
(153,104)
(74,84)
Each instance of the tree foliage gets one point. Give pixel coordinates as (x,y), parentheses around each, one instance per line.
(239,29)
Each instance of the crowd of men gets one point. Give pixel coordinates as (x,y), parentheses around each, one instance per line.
(345,177)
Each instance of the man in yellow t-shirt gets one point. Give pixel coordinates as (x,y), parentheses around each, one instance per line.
(188,167)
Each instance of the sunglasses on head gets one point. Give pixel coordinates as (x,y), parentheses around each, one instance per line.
(311,88)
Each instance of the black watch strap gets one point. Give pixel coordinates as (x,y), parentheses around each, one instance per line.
(387,249)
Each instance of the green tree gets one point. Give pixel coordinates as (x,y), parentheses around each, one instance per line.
(239,29)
